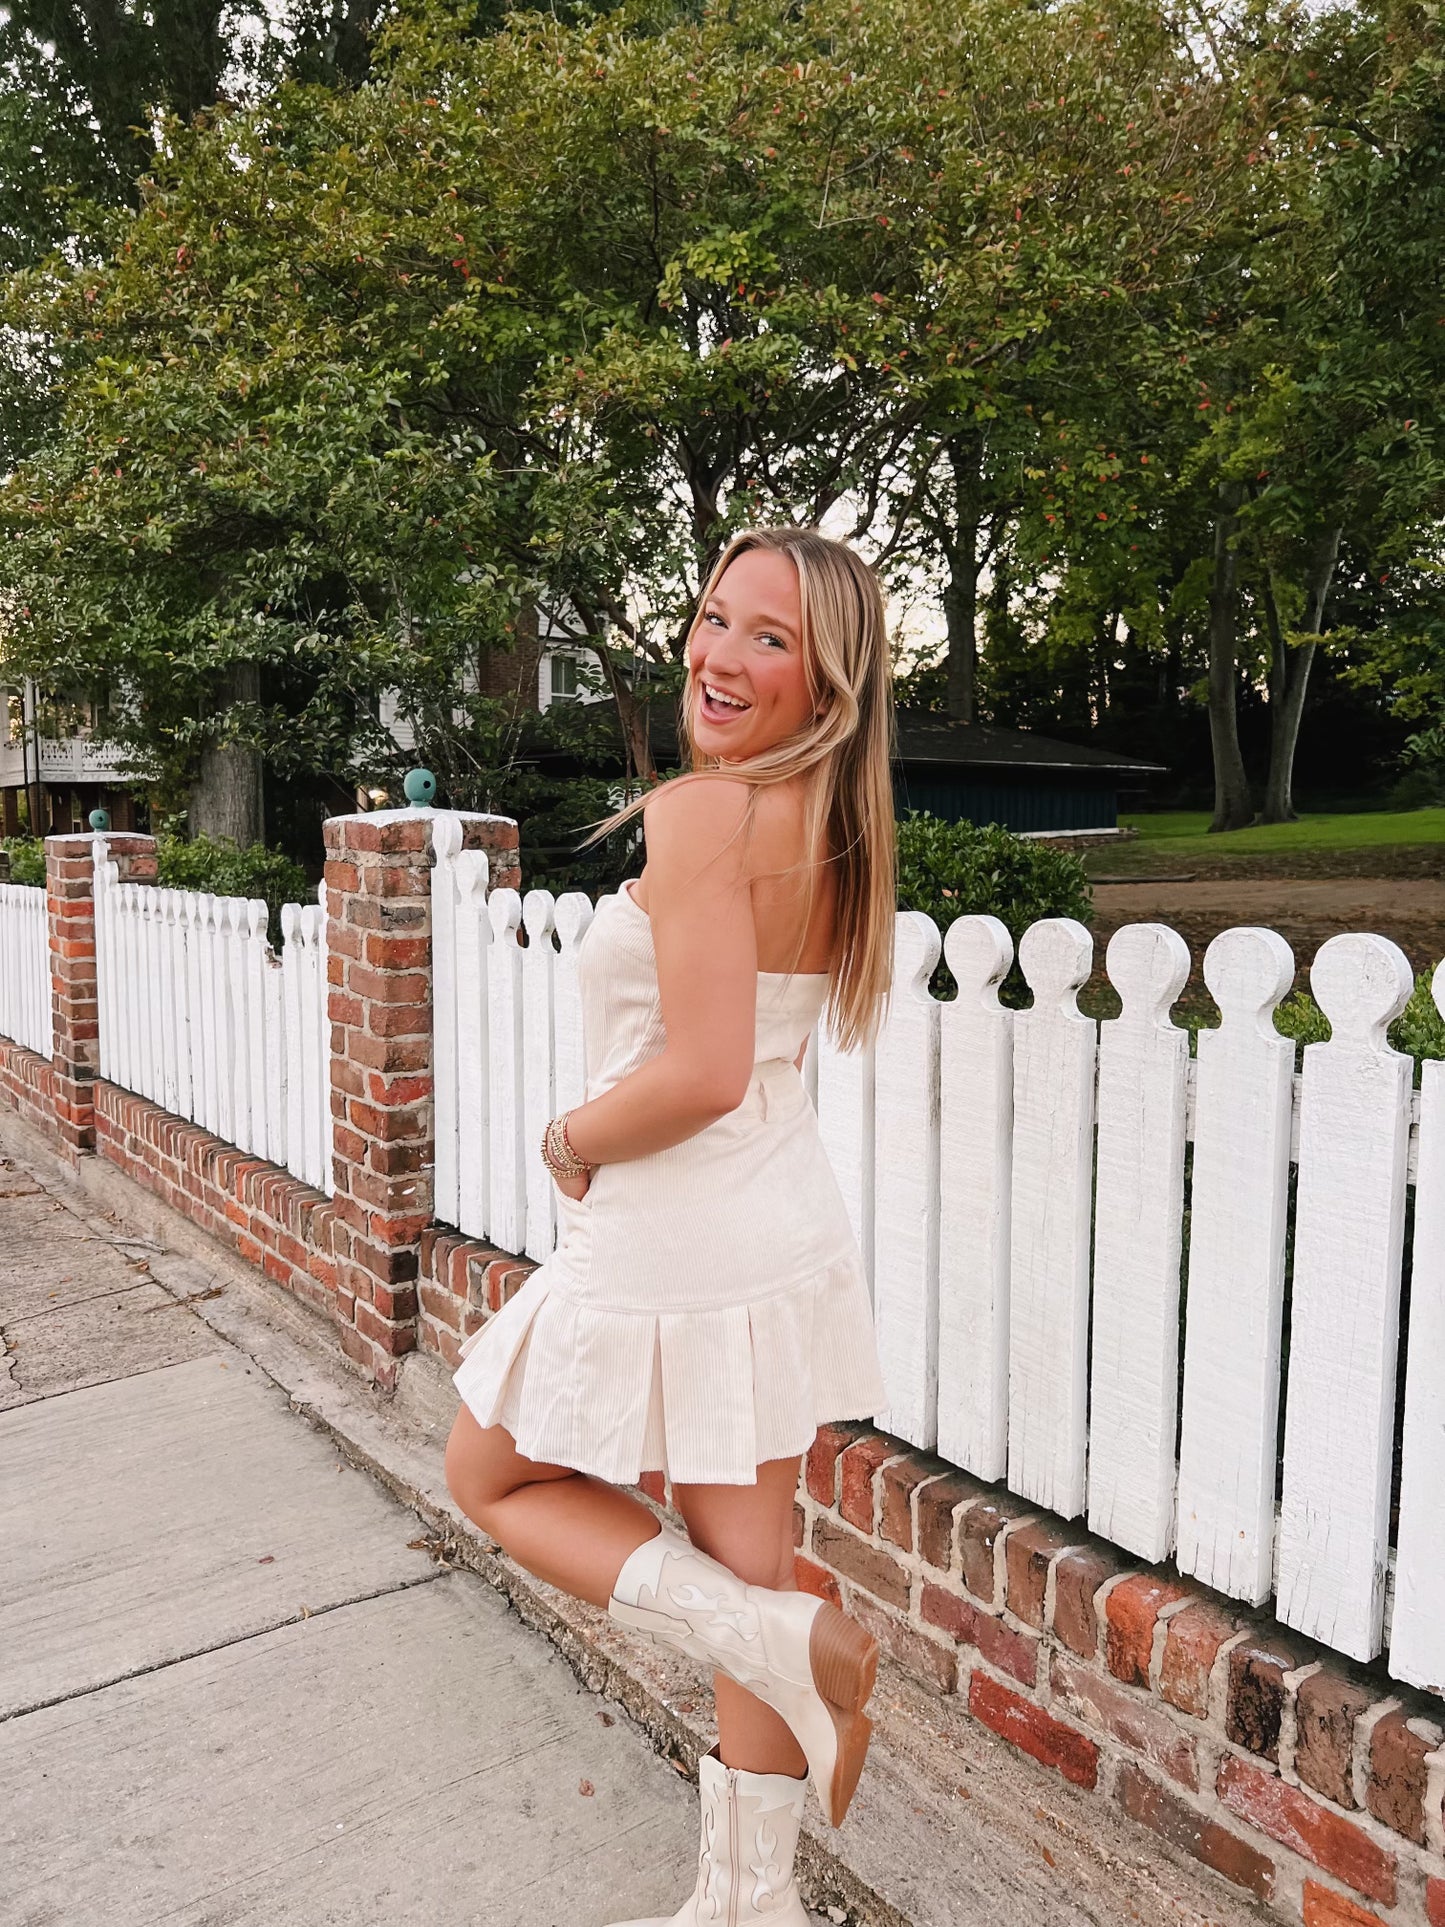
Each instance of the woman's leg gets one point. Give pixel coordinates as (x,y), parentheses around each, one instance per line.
(749,1529)
(569,1529)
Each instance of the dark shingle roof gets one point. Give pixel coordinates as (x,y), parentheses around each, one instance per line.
(926,737)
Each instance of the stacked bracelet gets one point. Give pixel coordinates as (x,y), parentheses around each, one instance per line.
(557,1153)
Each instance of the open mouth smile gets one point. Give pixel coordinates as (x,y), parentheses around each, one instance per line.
(719,707)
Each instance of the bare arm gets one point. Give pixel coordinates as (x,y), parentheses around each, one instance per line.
(700,902)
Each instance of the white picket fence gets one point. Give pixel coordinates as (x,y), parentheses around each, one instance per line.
(25,967)
(199,1014)
(1021,1183)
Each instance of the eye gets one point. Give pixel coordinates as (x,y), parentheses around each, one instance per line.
(767,636)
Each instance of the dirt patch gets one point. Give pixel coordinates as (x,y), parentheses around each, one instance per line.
(1143,857)
(1304,910)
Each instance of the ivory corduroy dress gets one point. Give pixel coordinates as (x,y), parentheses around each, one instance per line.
(706,1307)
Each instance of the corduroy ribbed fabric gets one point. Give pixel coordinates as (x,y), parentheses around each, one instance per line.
(706,1307)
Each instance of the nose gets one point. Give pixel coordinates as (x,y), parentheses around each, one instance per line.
(719,661)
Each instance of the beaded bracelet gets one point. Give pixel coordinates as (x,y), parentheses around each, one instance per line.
(557,1152)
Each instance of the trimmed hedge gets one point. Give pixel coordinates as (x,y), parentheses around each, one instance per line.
(952,870)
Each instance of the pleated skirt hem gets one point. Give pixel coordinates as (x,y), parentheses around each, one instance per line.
(702,1396)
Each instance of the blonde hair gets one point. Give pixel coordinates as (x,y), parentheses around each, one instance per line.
(848,744)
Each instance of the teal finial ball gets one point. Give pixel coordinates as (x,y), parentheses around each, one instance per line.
(420,786)
(100,819)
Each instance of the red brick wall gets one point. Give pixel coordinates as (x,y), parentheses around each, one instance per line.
(275,1222)
(75,1011)
(27,1083)
(1304,1781)
(379,963)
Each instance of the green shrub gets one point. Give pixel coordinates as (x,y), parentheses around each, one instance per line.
(27,859)
(203,863)
(1419,1030)
(1423,781)
(223,869)
(952,870)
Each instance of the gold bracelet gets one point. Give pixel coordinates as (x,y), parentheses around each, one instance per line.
(585,1163)
(557,1151)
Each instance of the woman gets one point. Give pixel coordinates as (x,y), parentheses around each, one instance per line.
(706,1307)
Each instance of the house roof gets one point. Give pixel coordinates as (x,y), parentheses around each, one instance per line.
(924,737)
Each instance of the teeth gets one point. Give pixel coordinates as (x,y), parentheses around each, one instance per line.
(718,696)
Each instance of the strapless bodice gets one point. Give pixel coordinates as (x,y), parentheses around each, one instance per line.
(622,1009)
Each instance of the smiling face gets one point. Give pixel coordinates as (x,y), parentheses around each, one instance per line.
(748,644)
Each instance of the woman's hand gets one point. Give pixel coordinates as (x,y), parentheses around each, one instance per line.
(575,1187)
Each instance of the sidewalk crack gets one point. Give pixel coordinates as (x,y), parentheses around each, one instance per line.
(217,1646)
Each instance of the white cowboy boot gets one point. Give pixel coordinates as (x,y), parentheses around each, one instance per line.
(750,1827)
(802,1656)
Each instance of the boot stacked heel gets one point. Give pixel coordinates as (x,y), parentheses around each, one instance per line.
(844,1658)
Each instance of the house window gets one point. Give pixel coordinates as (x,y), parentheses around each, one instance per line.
(564,675)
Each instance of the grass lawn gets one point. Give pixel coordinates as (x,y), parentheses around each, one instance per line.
(1184,833)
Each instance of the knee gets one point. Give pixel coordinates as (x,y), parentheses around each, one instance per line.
(756,1558)
(767,1566)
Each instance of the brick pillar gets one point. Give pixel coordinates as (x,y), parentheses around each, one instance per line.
(74,1009)
(378,935)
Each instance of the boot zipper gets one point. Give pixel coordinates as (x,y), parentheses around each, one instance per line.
(733,1847)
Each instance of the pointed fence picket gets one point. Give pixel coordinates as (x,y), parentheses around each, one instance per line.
(539,970)
(508,1173)
(200,1015)
(905,1223)
(25,967)
(1345,1304)
(843,1096)
(1417,1644)
(975,1163)
(1228,1452)
(1138,1225)
(1055,1048)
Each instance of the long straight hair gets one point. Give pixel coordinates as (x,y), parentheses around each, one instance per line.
(846,750)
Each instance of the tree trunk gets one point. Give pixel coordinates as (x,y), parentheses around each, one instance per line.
(1107,641)
(960,610)
(960,596)
(1290,675)
(633,717)
(1232,806)
(226,797)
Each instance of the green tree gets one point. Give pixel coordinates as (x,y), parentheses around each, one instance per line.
(1330,376)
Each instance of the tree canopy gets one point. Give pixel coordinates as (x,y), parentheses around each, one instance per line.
(1116,327)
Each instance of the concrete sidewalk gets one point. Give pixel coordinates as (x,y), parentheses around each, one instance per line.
(235,1685)
(255,1666)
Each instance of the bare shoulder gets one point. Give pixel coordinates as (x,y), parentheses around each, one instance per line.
(780,849)
(695,816)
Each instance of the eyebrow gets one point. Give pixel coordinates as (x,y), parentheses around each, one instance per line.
(765,621)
